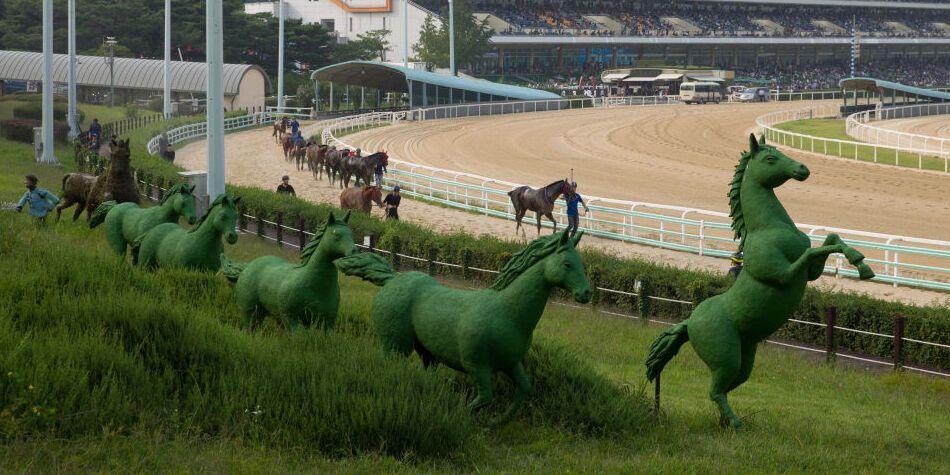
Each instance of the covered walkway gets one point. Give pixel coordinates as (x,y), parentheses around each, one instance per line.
(884,93)
(416,88)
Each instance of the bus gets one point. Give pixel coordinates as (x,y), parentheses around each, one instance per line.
(700,92)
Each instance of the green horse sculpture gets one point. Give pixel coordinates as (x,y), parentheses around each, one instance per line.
(126,221)
(477,332)
(168,245)
(779,260)
(298,294)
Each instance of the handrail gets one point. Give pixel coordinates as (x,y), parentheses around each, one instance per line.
(857,126)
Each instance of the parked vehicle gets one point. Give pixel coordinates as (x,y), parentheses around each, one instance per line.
(700,92)
(755,94)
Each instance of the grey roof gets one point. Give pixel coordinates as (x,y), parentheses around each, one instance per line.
(130,73)
(880,85)
(393,77)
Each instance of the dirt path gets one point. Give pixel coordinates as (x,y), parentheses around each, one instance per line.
(938,126)
(254,160)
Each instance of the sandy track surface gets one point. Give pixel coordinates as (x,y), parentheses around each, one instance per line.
(938,126)
(254,160)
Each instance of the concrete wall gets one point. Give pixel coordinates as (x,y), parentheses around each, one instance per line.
(251,92)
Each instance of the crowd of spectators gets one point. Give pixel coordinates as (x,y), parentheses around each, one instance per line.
(642,18)
(920,73)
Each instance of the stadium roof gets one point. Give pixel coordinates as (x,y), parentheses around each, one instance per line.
(395,78)
(879,85)
(130,73)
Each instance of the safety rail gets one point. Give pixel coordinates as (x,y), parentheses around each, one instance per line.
(896,259)
(188,132)
(910,157)
(857,126)
(521,107)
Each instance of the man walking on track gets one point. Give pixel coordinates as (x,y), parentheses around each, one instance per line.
(392,204)
(294,126)
(284,187)
(573,217)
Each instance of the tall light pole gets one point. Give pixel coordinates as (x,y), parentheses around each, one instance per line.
(48,145)
(280,56)
(71,81)
(214,31)
(167,73)
(451,38)
(110,60)
(405,33)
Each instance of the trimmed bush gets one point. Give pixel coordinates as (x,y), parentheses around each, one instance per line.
(34,111)
(22,130)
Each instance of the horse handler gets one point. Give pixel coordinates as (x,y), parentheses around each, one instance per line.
(573,217)
(392,204)
(41,201)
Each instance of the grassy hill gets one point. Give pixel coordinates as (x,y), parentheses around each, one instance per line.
(139,371)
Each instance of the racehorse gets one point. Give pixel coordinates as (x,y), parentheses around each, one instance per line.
(479,332)
(541,201)
(298,294)
(280,128)
(168,245)
(316,156)
(361,199)
(726,329)
(361,168)
(287,144)
(126,221)
(299,155)
(333,158)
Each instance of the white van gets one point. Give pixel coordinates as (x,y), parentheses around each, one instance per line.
(700,92)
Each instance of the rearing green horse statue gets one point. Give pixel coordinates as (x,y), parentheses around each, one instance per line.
(126,221)
(726,329)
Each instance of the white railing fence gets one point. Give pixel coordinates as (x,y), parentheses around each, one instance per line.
(858,126)
(912,157)
(197,130)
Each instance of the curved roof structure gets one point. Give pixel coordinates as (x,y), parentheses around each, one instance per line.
(395,78)
(130,73)
(880,85)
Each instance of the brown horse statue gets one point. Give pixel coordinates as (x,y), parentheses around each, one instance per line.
(76,187)
(316,156)
(541,201)
(116,183)
(361,199)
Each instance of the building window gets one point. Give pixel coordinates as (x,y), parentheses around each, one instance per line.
(351,24)
(384,23)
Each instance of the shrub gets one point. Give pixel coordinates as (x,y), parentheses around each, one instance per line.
(34,111)
(22,130)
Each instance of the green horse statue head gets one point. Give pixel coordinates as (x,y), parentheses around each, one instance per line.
(181,200)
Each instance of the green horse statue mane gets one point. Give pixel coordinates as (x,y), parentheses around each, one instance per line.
(779,260)
(477,332)
(168,245)
(298,294)
(126,221)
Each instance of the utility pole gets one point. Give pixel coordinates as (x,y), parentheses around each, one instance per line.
(214,31)
(854,45)
(110,60)
(71,81)
(47,141)
(167,81)
(405,33)
(280,56)
(452,38)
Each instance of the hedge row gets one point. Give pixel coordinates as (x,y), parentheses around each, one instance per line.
(34,111)
(21,130)
(926,323)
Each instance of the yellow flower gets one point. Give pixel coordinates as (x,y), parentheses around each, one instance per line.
(30,387)
(9,374)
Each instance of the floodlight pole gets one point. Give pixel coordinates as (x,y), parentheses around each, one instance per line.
(110,60)
(167,75)
(452,38)
(280,56)
(215,60)
(71,81)
(48,145)
(405,33)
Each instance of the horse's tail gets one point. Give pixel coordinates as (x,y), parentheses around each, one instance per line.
(367,266)
(230,269)
(665,348)
(99,215)
(65,178)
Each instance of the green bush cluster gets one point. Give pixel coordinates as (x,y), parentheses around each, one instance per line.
(21,130)
(34,111)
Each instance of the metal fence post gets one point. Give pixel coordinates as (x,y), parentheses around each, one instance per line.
(831,316)
(898,341)
(280,229)
(301,234)
(430,260)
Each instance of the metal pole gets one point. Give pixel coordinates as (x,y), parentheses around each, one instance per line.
(405,33)
(452,37)
(71,90)
(167,75)
(48,145)
(215,60)
(280,57)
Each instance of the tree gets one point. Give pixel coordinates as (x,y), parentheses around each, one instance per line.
(369,46)
(471,38)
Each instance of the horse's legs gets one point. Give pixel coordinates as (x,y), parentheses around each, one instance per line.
(519,214)
(537,214)
(718,344)
(523,381)
(428,359)
(854,257)
(550,216)
(745,365)
(65,203)
(482,376)
(78,211)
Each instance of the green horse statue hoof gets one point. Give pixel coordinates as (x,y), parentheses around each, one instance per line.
(298,294)
(779,260)
(126,221)
(477,332)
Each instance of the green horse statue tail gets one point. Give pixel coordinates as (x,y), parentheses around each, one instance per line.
(368,266)
(779,260)
(477,332)
(99,214)
(124,222)
(298,294)
(168,245)
(231,270)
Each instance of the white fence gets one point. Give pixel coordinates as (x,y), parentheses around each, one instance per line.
(858,127)
(896,259)
(912,157)
(505,108)
(200,129)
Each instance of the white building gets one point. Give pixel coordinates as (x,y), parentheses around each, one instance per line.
(350,18)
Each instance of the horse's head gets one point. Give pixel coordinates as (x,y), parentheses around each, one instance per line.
(373,194)
(183,202)
(121,153)
(223,216)
(771,168)
(565,269)
(337,240)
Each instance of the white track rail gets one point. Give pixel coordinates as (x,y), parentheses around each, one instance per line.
(858,126)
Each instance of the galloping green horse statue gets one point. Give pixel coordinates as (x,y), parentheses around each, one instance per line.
(299,294)
(126,221)
(168,245)
(477,332)
(779,261)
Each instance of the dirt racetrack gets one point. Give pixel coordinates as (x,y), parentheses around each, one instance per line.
(938,126)
(681,155)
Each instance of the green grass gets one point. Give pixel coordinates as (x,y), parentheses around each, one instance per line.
(835,129)
(105,114)
(121,350)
